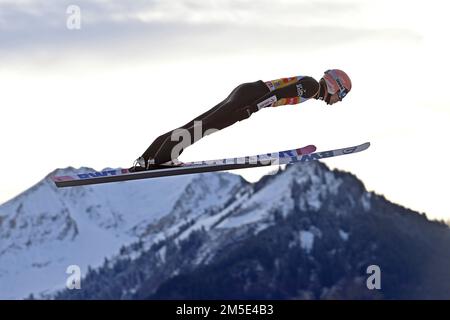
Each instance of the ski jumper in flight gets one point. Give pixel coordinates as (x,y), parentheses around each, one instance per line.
(242,102)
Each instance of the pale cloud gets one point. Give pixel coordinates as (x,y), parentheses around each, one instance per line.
(37,29)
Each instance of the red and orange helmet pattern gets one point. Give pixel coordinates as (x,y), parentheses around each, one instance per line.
(338,82)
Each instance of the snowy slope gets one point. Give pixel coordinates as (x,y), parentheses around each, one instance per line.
(254,209)
(277,195)
(45,229)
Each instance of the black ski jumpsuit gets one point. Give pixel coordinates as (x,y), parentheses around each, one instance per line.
(244,100)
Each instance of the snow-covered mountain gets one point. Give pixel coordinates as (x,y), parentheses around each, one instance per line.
(305,232)
(45,229)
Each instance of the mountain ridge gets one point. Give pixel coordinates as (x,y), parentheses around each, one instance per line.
(323,221)
(151,232)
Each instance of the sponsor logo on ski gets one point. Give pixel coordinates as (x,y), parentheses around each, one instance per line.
(349,150)
(288,154)
(276,158)
(97,174)
(317,156)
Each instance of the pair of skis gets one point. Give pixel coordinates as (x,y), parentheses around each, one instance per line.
(304,154)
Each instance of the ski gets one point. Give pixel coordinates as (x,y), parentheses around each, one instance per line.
(304,154)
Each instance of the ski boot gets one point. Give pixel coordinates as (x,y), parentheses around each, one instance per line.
(141,164)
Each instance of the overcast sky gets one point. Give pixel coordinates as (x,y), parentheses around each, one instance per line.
(98,96)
